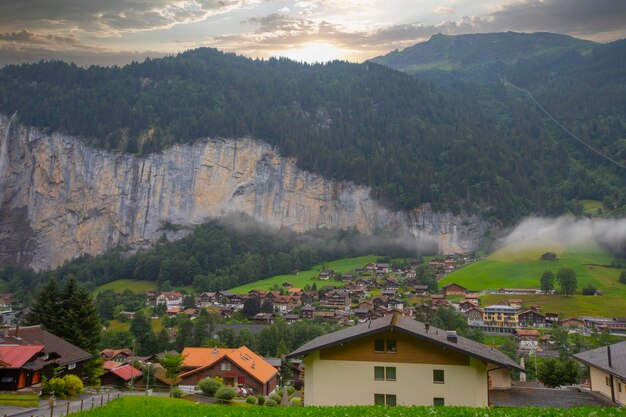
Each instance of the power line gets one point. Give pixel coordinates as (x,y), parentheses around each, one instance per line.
(509,84)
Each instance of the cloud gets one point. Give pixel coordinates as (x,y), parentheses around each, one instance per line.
(444,10)
(25,36)
(111,16)
(610,233)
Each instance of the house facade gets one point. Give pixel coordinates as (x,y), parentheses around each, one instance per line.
(395,360)
(607,370)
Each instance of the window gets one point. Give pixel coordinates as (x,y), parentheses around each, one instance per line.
(226,366)
(438,401)
(385,399)
(71,366)
(619,387)
(385,345)
(379,345)
(382,373)
(241,380)
(607,380)
(438,377)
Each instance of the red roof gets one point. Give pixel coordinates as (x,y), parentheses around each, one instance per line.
(126,372)
(108,365)
(16,356)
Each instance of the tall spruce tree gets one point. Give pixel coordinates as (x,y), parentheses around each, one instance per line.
(46,307)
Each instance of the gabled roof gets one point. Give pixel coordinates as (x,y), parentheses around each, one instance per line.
(126,372)
(35,335)
(244,358)
(599,358)
(413,328)
(15,356)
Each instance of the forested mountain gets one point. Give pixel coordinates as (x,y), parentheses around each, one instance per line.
(414,141)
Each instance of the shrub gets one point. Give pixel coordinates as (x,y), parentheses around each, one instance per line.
(73,385)
(271,403)
(277,397)
(251,400)
(296,401)
(290,390)
(54,386)
(589,290)
(622,277)
(225,393)
(209,386)
(176,392)
(260,400)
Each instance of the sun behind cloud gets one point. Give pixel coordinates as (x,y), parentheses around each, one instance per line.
(313,52)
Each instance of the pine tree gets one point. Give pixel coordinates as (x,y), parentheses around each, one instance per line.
(46,307)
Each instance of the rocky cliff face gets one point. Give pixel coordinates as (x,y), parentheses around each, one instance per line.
(60,198)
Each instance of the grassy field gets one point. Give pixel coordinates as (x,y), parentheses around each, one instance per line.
(519,266)
(591,207)
(121,285)
(19,400)
(165,407)
(309,276)
(157,325)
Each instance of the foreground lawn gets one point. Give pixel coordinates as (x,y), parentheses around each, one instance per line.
(165,407)
(121,285)
(310,276)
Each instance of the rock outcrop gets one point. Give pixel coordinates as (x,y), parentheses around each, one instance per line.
(60,198)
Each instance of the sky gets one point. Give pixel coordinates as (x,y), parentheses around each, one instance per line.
(108,32)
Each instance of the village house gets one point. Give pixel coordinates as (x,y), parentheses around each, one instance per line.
(551,319)
(170,299)
(31,353)
(121,376)
(335,299)
(395,360)
(474,316)
(465,305)
(607,370)
(207,299)
(516,303)
(116,355)
(527,339)
(307,311)
(237,367)
(438,299)
(326,274)
(573,322)
(531,318)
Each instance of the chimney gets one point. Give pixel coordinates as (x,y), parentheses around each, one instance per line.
(427,326)
(253,365)
(451,336)
(608,351)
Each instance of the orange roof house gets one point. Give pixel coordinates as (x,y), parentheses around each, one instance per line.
(236,367)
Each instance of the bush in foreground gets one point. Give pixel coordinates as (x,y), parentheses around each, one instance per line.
(209,386)
(251,400)
(73,385)
(225,393)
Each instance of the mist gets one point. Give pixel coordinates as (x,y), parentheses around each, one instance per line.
(608,233)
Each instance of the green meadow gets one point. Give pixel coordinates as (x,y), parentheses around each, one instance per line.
(310,276)
(166,407)
(121,285)
(519,266)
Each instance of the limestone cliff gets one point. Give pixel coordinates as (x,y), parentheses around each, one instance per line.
(60,198)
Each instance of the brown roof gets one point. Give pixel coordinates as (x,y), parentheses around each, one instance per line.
(413,328)
(599,358)
(35,335)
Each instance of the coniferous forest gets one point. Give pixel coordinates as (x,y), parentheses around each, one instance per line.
(455,144)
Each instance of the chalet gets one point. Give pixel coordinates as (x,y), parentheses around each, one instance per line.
(307,311)
(607,370)
(207,299)
(474,316)
(291,318)
(237,367)
(31,353)
(465,305)
(395,360)
(324,315)
(395,304)
(370,266)
(573,322)
(454,289)
(347,277)
(516,303)
(336,299)
(170,299)
(527,339)
(263,318)
(173,311)
(551,319)
(326,274)
(309,297)
(380,301)
(389,292)
(531,318)
(287,285)
(6,300)
(437,300)
(420,289)
(116,355)
(520,291)
(120,376)
(382,268)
